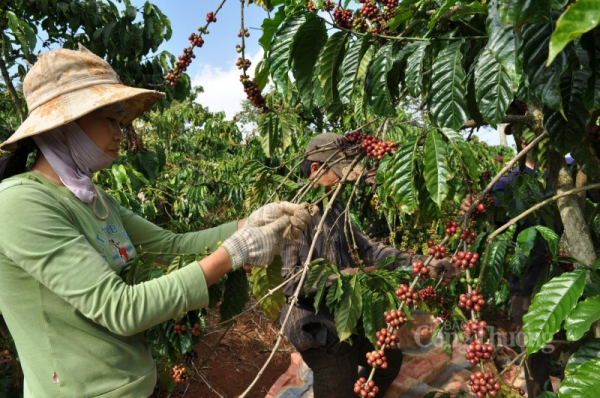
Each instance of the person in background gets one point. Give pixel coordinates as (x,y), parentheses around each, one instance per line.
(314,335)
(64,241)
(537,371)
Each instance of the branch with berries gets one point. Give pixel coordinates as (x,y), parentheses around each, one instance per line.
(196,40)
(251,88)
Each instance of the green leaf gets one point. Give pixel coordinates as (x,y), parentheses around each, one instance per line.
(374,305)
(591,43)
(400,177)
(447,103)
(590,351)
(350,66)
(493,89)
(543,80)
(583,382)
(330,61)
(269,27)
(550,307)
(322,286)
(261,74)
(503,46)
(281,50)
(526,240)
(580,17)
(376,87)
(235,295)
(414,69)
(349,310)
(551,238)
(439,12)
(521,11)
(437,171)
(581,318)
(311,38)
(268,128)
(23,32)
(264,280)
(567,128)
(463,151)
(494,268)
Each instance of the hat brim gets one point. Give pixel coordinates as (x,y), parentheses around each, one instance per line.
(73,105)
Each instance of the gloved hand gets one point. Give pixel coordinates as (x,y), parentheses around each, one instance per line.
(299,215)
(445,267)
(256,246)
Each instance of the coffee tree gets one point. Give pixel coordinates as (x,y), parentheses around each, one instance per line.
(533,65)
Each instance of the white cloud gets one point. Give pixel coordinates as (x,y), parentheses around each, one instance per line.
(223,90)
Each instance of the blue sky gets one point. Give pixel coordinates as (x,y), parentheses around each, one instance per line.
(214,66)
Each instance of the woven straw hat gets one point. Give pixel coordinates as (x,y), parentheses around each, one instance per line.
(328,140)
(65,85)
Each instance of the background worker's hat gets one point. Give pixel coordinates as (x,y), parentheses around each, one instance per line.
(65,85)
(327,142)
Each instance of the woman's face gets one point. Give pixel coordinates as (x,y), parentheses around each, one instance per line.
(104,129)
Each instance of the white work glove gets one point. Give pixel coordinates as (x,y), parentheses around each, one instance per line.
(256,246)
(299,215)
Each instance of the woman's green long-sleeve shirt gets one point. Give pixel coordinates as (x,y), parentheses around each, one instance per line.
(76,324)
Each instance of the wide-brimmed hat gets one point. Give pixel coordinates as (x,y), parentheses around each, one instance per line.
(65,85)
(321,147)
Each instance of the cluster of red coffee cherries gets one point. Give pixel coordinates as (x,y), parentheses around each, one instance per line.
(179,373)
(420,269)
(210,17)
(394,318)
(196,330)
(519,391)
(364,389)
(468,236)
(179,329)
(328,5)
(478,351)
(243,32)
(429,294)
(451,227)
(389,338)
(343,17)
(473,327)
(483,383)
(389,3)
(377,359)
(368,9)
(254,94)
(564,265)
(471,300)
(243,63)
(374,147)
(464,260)
(438,252)
(183,61)
(197,41)
(407,294)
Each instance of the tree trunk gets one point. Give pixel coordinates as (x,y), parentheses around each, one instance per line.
(577,239)
(580,181)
